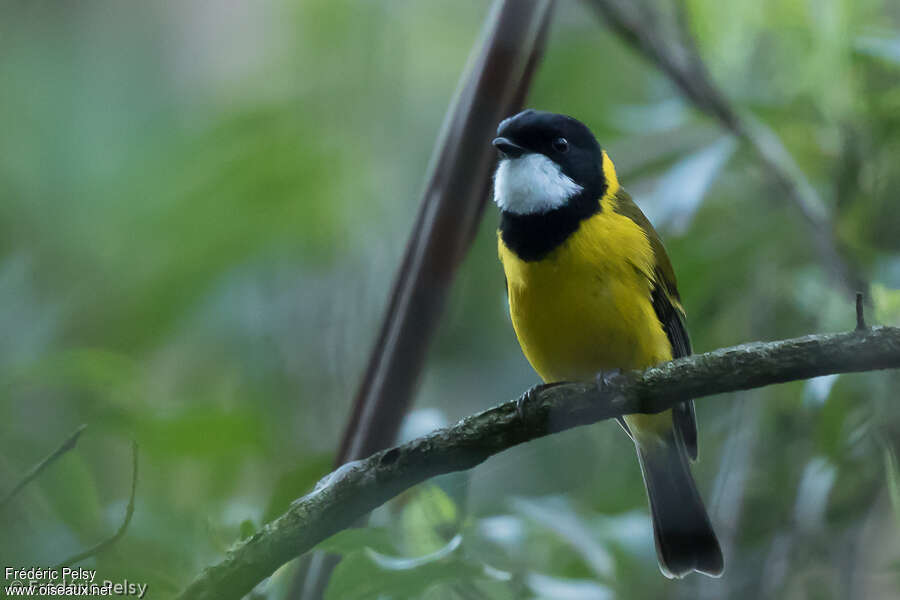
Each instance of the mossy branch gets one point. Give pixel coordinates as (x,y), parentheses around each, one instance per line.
(355,489)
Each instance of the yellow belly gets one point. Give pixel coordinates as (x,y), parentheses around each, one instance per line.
(587,307)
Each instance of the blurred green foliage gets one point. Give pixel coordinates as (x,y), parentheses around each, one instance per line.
(201,209)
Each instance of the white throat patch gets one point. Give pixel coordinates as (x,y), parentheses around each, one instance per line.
(531,184)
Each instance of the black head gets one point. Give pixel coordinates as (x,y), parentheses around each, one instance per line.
(550,178)
(564,140)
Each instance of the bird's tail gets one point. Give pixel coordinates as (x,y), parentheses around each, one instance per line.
(685,540)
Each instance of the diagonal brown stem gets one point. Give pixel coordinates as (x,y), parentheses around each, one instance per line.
(677,56)
(494,86)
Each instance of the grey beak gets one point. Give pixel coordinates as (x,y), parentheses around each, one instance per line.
(507,148)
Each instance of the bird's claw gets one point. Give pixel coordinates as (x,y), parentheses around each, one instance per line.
(525,398)
(609,379)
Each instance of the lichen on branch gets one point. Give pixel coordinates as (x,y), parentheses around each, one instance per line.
(355,489)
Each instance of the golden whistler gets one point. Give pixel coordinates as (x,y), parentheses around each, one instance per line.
(591,290)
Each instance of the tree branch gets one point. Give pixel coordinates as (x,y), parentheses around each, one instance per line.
(674,51)
(347,494)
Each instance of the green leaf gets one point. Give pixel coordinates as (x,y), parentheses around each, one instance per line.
(90,369)
(545,586)
(394,563)
(204,431)
(887,304)
(886,47)
(428,520)
(368,574)
(681,189)
(557,514)
(247,528)
(353,540)
(831,431)
(71,487)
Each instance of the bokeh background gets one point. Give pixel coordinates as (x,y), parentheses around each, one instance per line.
(202,205)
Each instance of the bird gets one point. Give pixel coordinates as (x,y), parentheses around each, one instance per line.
(592,293)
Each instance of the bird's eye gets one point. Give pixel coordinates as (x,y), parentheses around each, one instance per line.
(561,145)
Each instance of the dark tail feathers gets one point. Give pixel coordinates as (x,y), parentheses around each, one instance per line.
(685,540)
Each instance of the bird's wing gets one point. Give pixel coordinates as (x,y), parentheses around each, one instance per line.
(667,305)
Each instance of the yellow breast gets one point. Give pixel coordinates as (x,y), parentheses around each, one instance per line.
(586,306)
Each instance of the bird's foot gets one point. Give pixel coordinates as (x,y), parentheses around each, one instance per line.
(606,379)
(610,379)
(522,401)
(530,396)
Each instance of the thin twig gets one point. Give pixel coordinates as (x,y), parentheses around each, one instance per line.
(639,25)
(355,489)
(129,512)
(67,445)
(860,312)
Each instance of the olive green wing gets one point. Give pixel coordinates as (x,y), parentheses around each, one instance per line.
(667,305)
